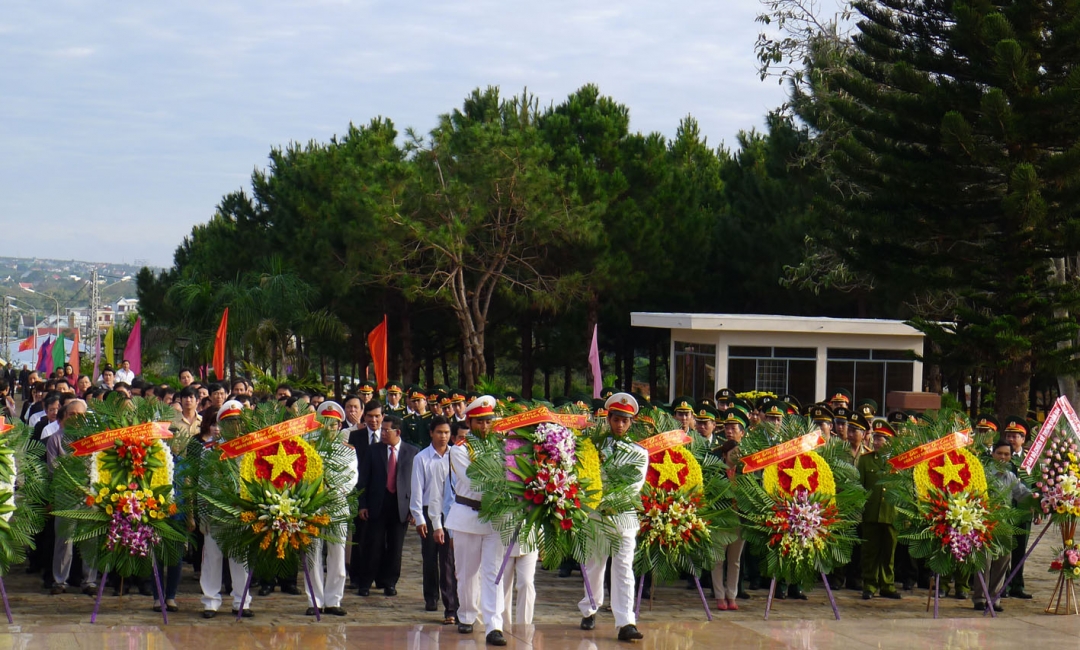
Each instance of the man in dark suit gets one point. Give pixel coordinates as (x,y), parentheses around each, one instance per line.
(385,486)
(367,433)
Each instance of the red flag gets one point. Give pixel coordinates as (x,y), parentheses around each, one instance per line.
(219,346)
(73,358)
(133,349)
(30,343)
(376,341)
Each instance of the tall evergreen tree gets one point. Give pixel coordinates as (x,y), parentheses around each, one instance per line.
(954,166)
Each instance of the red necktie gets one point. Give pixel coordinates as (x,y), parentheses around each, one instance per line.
(391,472)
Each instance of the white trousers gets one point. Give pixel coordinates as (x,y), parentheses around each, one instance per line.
(210,580)
(63,552)
(622,582)
(727,586)
(477,559)
(520,570)
(328,593)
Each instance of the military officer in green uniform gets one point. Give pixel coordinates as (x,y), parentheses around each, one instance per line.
(879,516)
(416,425)
(394,404)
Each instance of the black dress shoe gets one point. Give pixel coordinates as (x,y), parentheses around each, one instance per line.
(292,590)
(335,611)
(364,591)
(999,608)
(431,606)
(1023,595)
(266,591)
(209,613)
(390,591)
(797,594)
(893,595)
(867,595)
(780,594)
(564,572)
(588,622)
(630,633)
(247,613)
(464,628)
(495,637)
(310,611)
(646,594)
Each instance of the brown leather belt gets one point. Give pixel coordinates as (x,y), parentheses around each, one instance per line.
(465,501)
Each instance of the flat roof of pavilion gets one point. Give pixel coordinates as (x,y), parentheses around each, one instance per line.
(772,323)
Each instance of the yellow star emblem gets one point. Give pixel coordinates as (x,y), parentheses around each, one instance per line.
(669,470)
(950,472)
(281,462)
(800,476)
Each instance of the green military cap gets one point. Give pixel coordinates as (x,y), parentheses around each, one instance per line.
(683,403)
(512,397)
(417,393)
(735,416)
(743,404)
(821,413)
(897,417)
(457,396)
(607,392)
(774,408)
(791,399)
(882,427)
(706,412)
(471,395)
(598,407)
(1016,423)
(867,407)
(858,420)
(366,387)
(706,401)
(842,413)
(394,387)
(441,388)
(725,395)
(641,399)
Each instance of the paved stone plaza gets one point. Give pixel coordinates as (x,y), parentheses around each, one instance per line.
(676,620)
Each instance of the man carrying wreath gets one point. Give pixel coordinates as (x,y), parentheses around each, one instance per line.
(621,410)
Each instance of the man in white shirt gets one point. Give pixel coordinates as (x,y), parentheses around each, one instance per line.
(478,547)
(124,374)
(431,470)
(62,546)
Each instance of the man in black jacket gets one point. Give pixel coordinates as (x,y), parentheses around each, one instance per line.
(385,486)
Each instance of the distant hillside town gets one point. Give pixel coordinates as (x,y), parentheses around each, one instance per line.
(42,298)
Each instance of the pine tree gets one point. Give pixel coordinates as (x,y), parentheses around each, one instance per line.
(954,167)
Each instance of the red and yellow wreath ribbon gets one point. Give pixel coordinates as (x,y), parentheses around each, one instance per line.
(666,440)
(5,427)
(271,435)
(144,432)
(782,452)
(929,451)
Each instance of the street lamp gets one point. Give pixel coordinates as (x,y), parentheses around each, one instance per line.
(182,342)
(33,311)
(29,290)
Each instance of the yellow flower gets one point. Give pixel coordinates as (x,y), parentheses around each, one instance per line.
(114,498)
(1076,571)
(1068,542)
(589,468)
(108,510)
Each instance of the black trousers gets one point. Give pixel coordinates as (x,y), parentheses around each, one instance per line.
(384,537)
(356,554)
(1017,584)
(440,578)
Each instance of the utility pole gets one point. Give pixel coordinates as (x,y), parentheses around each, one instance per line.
(95,306)
(5,342)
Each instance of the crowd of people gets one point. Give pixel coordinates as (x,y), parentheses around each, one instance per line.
(411,473)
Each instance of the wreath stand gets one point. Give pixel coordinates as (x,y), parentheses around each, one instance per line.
(7,607)
(1064,587)
(101,590)
(828,592)
(641,589)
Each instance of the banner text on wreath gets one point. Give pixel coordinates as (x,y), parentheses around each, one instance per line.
(666,440)
(782,452)
(5,427)
(271,435)
(539,416)
(929,451)
(139,433)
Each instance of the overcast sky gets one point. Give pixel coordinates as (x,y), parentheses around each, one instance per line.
(122,124)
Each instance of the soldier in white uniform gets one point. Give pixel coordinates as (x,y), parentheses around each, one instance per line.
(210,580)
(621,409)
(328,593)
(478,548)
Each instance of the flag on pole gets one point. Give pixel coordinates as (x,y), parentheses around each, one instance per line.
(219,346)
(594,363)
(376,341)
(58,350)
(110,356)
(74,358)
(44,356)
(29,343)
(133,349)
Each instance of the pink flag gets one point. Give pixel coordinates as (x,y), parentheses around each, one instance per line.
(594,362)
(133,349)
(97,355)
(73,359)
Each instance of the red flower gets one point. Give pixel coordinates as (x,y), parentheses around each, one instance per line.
(567,524)
(538,498)
(529,494)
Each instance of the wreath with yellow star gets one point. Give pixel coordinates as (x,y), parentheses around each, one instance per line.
(269,505)
(946,512)
(800,513)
